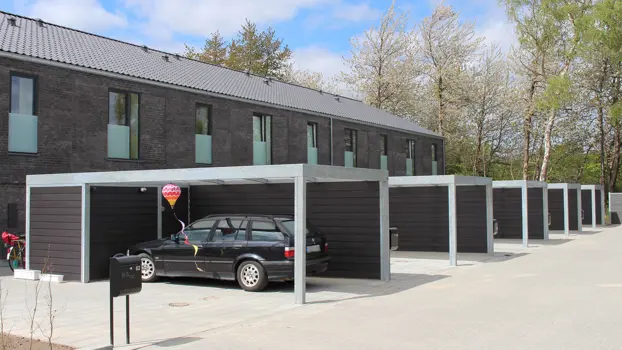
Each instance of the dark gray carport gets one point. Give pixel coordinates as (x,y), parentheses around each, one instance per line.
(565,207)
(445,213)
(521,209)
(148,180)
(593,205)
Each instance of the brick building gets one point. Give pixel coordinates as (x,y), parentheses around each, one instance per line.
(71,101)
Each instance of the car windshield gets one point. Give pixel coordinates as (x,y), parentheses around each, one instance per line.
(289,225)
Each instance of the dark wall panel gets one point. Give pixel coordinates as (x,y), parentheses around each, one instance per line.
(56,230)
(599,208)
(421,216)
(347,213)
(507,209)
(556,208)
(536,216)
(615,208)
(586,206)
(120,217)
(573,211)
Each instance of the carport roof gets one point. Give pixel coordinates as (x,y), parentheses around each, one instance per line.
(438,180)
(518,184)
(265,174)
(564,185)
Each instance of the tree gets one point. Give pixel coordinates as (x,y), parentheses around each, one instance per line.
(309,79)
(381,66)
(214,50)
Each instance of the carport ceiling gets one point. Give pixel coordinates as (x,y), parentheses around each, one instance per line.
(451,181)
(299,174)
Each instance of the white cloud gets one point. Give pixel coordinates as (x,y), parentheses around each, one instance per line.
(356,13)
(201,17)
(87,15)
(319,59)
(500,32)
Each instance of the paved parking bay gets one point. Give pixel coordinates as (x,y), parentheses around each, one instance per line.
(427,305)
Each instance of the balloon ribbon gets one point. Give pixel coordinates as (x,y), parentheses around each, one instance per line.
(186,241)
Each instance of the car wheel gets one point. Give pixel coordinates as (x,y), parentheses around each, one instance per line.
(252,276)
(147,268)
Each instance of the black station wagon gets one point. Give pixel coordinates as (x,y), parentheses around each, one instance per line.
(251,249)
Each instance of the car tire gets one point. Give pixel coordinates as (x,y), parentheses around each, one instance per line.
(147,268)
(251,276)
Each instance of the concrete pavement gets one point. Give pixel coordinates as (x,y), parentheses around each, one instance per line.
(559,296)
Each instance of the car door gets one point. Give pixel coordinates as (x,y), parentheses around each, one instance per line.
(266,240)
(227,241)
(179,255)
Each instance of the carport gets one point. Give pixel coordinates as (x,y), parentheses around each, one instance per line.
(565,207)
(520,207)
(445,213)
(592,205)
(60,212)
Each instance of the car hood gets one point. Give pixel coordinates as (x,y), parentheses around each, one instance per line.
(149,244)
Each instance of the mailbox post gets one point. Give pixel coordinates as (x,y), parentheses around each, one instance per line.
(125,279)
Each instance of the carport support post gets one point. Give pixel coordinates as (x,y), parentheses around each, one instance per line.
(566,212)
(27,227)
(594,207)
(300,253)
(385,239)
(580,210)
(159,205)
(489,222)
(525,214)
(545,211)
(453,242)
(602,205)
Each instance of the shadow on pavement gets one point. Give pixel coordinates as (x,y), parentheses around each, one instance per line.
(535,242)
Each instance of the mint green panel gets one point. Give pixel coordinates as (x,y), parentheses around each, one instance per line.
(23,133)
(311,155)
(118,141)
(259,153)
(383,162)
(203,149)
(268,139)
(434,168)
(348,159)
(409,167)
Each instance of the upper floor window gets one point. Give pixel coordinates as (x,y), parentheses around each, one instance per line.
(410,157)
(203,134)
(23,94)
(312,143)
(262,139)
(434,160)
(23,123)
(123,128)
(350,139)
(384,151)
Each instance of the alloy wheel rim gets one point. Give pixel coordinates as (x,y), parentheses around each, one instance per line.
(250,275)
(146,268)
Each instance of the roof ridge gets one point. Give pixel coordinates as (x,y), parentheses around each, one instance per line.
(174,54)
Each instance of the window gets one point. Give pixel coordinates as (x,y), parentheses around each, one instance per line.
(203,224)
(123,129)
(229,230)
(434,160)
(312,143)
(410,158)
(23,123)
(22,94)
(203,134)
(384,159)
(266,231)
(350,148)
(198,231)
(290,226)
(262,139)
(12,216)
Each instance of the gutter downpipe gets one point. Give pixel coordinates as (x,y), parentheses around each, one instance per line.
(331,142)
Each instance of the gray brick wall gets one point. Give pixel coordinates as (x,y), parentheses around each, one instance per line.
(73,117)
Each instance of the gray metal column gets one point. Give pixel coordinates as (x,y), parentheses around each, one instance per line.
(28,227)
(525,214)
(385,238)
(300,249)
(453,241)
(580,210)
(566,211)
(160,208)
(86,233)
(545,211)
(602,205)
(489,222)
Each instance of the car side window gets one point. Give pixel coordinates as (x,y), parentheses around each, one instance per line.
(199,231)
(229,230)
(264,230)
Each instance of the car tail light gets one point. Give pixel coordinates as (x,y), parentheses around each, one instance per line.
(325,247)
(289,252)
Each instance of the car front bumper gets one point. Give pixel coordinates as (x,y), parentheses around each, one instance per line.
(284,270)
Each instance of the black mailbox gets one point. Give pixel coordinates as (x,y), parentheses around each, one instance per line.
(394,238)
(125,275)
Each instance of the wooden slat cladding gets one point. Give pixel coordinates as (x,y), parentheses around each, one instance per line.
(615,207)
(347,213)
(535,207)
(421,215)
(556,208)
(120,217)
(586,206)
(599,209)
(56,229)
(507,209)
(573,210)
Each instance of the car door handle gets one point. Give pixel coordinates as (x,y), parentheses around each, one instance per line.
(238,245)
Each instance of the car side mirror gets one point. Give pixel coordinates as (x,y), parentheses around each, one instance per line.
(175,238)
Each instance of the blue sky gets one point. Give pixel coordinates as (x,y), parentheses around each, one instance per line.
(318,31)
